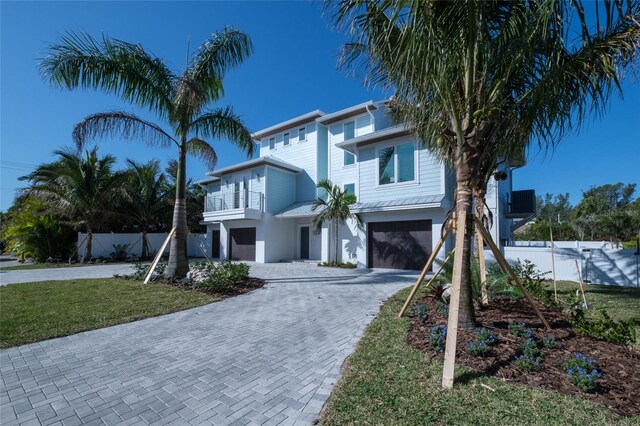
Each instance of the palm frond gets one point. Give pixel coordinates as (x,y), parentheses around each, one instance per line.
(224,123)
(120,124)
(202,149)
(110,65)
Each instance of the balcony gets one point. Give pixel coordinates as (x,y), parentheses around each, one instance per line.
(233,206)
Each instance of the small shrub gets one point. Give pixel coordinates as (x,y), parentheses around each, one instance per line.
(582,372)
(530,349)
(223,275)
(478,348)
(520,329)
(527,363)
(485,335)
(442,307)
(141,270)
(120,251)
(437,291)
(421,312)
(549,342)
(603,327)
(438,337)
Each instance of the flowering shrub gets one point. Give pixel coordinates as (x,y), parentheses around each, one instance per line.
(442,307)
(520,329)
(485,335)
(582,372)
(549,342)
(527,363)
(482,345)
(421,312)
(438,337)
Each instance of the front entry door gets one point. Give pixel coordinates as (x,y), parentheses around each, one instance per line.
(215,244)
(304,242)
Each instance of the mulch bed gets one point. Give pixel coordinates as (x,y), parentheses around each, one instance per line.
(618,389)
(235,289)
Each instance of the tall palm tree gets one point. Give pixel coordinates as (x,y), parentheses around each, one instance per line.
(79,188)
(334,208)
(480,80)
(146,194)
(181,100)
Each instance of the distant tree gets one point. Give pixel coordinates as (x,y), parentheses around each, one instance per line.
(607,212)
(554,208)
(541,228)
(335,207)
(146,197)
(82,189)
(182,100)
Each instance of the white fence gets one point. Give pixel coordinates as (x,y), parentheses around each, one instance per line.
(102,244)
(598,266)
(605,245)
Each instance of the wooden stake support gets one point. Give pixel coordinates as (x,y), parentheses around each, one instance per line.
(507,269)
(159,256)
(553,263)
(483,270)
(584,299)
(426,268)
(454,308)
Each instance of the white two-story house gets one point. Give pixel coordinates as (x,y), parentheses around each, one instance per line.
(261,210)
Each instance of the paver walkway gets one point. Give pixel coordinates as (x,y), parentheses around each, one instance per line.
(92,271)
(267,357)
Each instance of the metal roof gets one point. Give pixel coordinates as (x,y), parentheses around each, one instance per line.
(262,161)
(293,122)
(298,209)
(401,204)
(384,134)
(347,112)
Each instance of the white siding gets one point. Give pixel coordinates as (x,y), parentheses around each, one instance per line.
(280,190)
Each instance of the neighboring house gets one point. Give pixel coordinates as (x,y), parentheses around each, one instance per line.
(260,210)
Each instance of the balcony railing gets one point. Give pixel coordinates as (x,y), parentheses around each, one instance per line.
(234,201)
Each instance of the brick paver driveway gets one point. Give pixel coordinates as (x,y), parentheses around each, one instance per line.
(268,357)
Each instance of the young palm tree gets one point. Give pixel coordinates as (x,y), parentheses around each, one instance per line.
(146,194)
(480,80)
(81,189)
(182,100)
(335,209)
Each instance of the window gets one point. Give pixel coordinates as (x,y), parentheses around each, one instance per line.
(386,166)
(396,164)
(302,134)
(350,188)
(286,138)
(272,143)
(349,130)
(349,158)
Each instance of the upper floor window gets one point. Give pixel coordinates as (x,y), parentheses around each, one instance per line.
(349,130)
(396,164)
(349,158)
(272,143)
(286,138)
(302,134)
(350,188)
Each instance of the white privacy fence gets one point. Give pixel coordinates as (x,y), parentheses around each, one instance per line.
(567,244)
(103,244)
(598,266)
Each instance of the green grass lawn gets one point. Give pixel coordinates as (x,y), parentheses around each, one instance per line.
(31,312)
(386,382)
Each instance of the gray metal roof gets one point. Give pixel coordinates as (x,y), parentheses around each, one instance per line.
(404,203)
(299,209)
(269,161)
(293,122)
(347,112)
(384,134)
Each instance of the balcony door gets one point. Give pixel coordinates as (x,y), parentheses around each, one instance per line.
(241,192)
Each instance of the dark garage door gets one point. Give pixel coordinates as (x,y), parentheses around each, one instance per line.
(242,245)
(399,245)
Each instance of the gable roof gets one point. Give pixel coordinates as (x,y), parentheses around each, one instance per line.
(262,161)
(294,122)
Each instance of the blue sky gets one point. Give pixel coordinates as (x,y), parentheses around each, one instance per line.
(293,71)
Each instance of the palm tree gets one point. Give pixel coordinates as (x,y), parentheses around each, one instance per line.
(182,100)
(334,208)
(82,189)
(146,194)
(477,81)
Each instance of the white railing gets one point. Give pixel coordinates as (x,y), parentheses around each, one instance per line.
(234,200)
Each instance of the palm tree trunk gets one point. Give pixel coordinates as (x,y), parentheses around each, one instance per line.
(145,247)
(336,242)
(87,248)
(178,265)
(479,194)
(467,318)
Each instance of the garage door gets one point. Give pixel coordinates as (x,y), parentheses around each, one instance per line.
(242,245)
(399,245)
